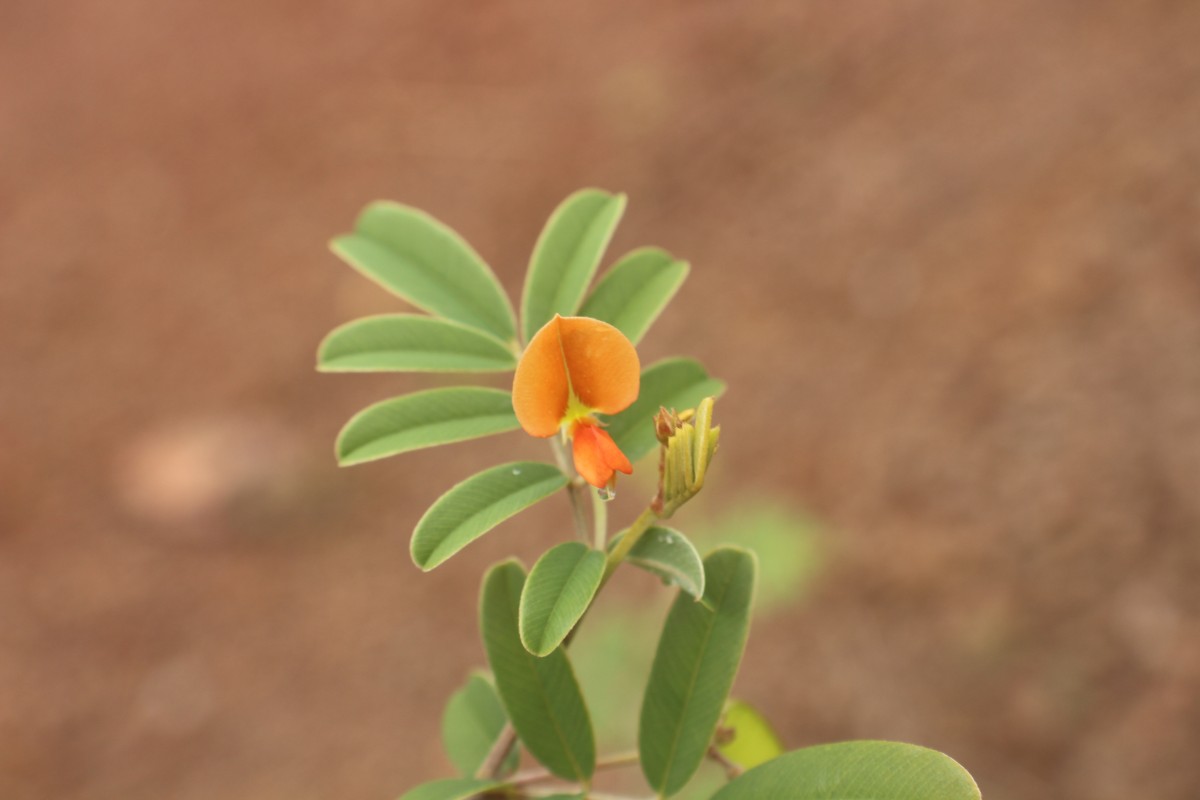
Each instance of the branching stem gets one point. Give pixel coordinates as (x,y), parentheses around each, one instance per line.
(538,775)
(732,770)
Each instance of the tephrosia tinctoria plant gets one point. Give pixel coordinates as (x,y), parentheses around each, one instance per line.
(523,729)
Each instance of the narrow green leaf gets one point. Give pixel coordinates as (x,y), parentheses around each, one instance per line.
(674,383)
(753,740)
(566,256)
(411,343)
(560,588)
(634,292)
(694,667)
(451,789)
(471,724)
(425,419)
(667,553)
(425,262)
(855,771)
(541,694)
(478,504)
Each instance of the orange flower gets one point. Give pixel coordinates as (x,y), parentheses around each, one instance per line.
(575,367)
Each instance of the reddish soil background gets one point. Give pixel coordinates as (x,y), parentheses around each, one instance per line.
(947,256)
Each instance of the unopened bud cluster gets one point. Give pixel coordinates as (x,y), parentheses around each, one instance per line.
(689,441)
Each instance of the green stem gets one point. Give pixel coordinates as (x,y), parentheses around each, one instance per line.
(639,526)
(574,488)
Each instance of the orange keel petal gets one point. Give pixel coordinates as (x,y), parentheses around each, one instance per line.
(597,456)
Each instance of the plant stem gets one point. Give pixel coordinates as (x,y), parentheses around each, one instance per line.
(732,770)
(574,488)
(538,775)
(639,526)
(599,521)
(490,768)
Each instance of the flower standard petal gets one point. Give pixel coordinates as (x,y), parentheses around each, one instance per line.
(602,364)
(540,388)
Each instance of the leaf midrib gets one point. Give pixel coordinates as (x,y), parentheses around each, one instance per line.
(457,526)
(692,684)
(426,427)
(435,277)
(531,663)
(576,250)
(559,598)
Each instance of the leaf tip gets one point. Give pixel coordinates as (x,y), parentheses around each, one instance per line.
(337,245)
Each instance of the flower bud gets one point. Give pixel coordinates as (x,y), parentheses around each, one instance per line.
(689,441)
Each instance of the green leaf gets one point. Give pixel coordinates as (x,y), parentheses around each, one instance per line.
(451,789)
(471,724)
(411,343)
(694,667)
(667,553)
(754,741)
(425,262)
(478,504)
(541,694)
(673,383)
(425,419)
(566,256)
(855,771)
(560,588)
(634,292)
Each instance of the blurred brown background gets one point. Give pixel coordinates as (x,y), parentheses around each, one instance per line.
(946,255)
